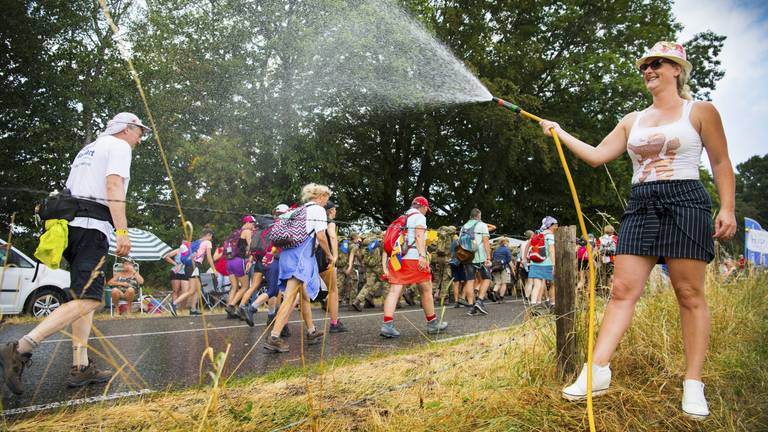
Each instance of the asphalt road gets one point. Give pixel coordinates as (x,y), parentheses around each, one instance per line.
(166,352)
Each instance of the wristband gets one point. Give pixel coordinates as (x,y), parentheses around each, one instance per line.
(121,232)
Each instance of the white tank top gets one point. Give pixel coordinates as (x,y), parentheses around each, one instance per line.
(666,152)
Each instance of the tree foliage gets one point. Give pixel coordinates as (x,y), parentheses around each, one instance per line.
(224,86)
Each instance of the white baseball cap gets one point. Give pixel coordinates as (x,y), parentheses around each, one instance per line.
(281,208)
(122,121)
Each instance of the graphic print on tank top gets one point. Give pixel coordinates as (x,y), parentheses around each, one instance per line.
(665,152)
(656,154)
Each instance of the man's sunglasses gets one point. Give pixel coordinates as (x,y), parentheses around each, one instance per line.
(654,65)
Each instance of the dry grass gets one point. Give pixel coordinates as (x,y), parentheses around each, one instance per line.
(502,381)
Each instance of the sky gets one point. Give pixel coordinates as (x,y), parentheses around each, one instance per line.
(741,96)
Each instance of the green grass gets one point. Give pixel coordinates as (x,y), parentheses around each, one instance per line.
(502,381)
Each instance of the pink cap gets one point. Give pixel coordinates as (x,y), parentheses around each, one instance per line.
(248,219)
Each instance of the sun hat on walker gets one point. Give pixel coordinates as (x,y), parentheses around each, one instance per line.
(671,51)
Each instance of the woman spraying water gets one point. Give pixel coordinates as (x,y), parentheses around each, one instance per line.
(668,218)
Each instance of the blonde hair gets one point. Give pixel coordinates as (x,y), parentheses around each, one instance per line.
(503,241)
(609,229)
(313,190)
(682,85)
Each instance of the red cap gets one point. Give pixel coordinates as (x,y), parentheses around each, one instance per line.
(421,201)
(248,219)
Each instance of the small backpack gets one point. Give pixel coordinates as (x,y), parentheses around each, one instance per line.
(396,231)
(188,255)
(290,229)
(261,242)
(234,246)
(537,249)
(465,251)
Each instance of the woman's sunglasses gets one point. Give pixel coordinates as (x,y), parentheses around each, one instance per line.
(654,65)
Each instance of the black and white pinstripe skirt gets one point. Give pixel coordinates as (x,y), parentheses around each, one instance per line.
(671,218)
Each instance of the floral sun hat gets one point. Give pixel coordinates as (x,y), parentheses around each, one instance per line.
(672,51)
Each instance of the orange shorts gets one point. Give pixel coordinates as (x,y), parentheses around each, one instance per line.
(409,274)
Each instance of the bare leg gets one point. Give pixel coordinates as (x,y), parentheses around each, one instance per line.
(175,289)
(631,273)
(537,291)
(306,309)
(289,300)
(188,287)
(393,297)
(528,288)
(688,281)
(469,291)
(194,295)
(427,301)
(255,283)
(233,290)
(333,293)
(456,285)
(483,288)
(61,317)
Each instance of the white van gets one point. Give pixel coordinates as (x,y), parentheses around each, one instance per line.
(27,287)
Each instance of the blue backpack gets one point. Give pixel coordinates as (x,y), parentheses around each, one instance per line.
(187,257)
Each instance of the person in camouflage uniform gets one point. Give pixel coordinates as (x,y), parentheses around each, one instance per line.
(440,253)
(349,267)
(372,261)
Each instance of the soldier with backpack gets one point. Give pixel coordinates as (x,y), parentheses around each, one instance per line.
(372,258)
(236,248)
(405,243)
(440,252)
(349,266)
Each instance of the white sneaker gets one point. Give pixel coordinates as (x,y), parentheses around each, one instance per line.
(694,403)
(601,380)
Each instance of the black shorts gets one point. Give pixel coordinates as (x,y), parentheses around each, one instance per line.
(583,264)
(457,272)
(470,270)
(85,248)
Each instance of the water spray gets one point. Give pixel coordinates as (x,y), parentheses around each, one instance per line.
(590,344)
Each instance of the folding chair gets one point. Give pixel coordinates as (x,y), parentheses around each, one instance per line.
(214,293)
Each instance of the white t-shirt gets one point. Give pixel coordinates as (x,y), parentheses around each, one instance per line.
(88,175)
(317,219)
(416,222)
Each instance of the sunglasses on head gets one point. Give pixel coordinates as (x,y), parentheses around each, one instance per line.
(654,65)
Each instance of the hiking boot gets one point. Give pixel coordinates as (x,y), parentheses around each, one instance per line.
(369,303)
(694,403)
(436,326)
(12,364)
(195,312)
(480,306)
(338,328)
(275,344)
(249,313)
(388,330)
(357,306)
(472,311)
(81,376)
(241,311)
(172,309)
(457,306)
(463,303)
(408,296)
(230,310)
(314,337)
(601,379)
(492,296)
(285,332)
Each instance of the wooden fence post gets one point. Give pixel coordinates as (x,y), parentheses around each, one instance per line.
(565,299)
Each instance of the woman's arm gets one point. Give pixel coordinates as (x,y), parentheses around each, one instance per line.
(139,278)
(713,138)
(609,149)
(169,257)
(322,240)
(334,240)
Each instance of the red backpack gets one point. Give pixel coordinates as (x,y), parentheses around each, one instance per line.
(396,231)
(537,249)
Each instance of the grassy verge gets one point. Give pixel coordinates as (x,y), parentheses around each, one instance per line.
(502,381)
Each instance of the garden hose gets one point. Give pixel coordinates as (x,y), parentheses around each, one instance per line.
(585,235)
